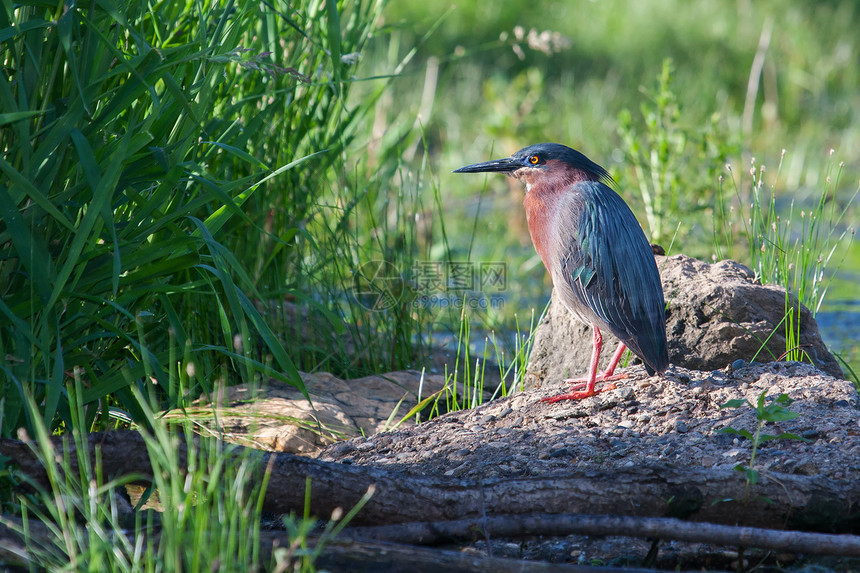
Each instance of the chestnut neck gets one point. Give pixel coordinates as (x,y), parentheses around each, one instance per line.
(545,188)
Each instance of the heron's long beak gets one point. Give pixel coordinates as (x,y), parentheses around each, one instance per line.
(506,165)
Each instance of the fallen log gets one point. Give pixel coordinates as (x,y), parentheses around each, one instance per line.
(363,556)
(342,554)
(393,547)
(520,526)
(777,501)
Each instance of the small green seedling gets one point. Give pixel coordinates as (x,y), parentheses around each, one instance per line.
(775,411)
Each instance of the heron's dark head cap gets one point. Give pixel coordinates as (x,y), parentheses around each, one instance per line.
(541,157)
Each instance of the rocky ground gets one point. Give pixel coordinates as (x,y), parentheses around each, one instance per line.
(673,420)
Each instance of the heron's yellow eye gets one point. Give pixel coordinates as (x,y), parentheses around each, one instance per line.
(534,159)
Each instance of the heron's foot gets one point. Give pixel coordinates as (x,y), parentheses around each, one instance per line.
(579,395)
(602,377)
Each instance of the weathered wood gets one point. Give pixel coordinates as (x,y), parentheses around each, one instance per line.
(519,526)
(366,557)
(794,501)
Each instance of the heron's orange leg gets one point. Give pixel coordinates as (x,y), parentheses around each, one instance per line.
(589,382)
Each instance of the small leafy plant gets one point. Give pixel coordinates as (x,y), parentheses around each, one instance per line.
(775,411)
(661,147)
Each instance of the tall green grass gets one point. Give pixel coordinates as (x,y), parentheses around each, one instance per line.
(164,175)
(357,205)
(784,250)
(209,516)
(797,251)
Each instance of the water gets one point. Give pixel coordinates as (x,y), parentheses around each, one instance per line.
(839,325)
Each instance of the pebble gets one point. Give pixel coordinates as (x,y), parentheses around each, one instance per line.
(624,393)
(344,448)
(458,470)
(578,413)
(717,377)
(608,403)
(738,364)
(681,427)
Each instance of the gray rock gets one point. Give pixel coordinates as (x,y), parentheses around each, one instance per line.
(717,314)
(277,417)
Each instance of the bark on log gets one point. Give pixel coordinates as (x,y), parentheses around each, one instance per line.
(518,526)
(364,557)
(793,501)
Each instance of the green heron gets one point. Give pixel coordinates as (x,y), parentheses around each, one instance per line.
(596,253)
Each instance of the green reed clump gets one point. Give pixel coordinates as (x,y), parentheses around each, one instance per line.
(160,171)
(209,503)
(793,252)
